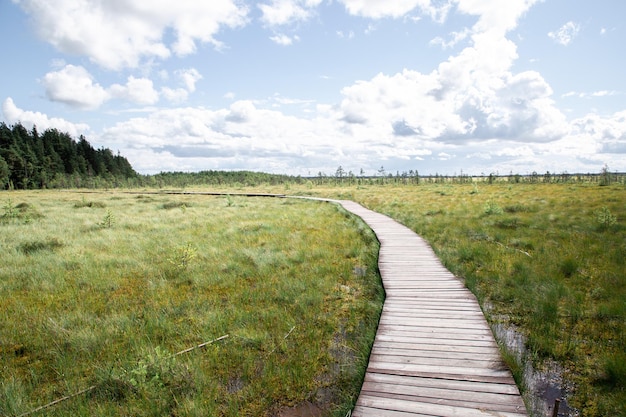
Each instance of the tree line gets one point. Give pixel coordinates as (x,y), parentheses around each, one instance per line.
(53,159)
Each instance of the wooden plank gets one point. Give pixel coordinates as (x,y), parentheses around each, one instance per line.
(483,400)
(455,345)
(434,314)
(434,353)
(427,408)
(442,337)
(486,365)
(361,411)
(431,353)
(429,374)
(441,322)
(439,370)
(455,385)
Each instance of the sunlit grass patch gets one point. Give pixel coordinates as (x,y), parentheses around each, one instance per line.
(106,305)
(547,257)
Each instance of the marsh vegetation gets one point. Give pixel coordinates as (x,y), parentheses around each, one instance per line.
(101,290)
(548,260)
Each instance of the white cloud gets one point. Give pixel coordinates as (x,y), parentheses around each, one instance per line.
(137,90)
(566,34)
(174,95)
(284,12)
(13,114)
(284,40)
(397,8)
(495,15)
(189,77)
(600,93)
(346,35)
(456,37)
(604,93)
(469,109)
(116,34)
(74,86)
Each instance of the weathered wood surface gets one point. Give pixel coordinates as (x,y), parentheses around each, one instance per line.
(434,353)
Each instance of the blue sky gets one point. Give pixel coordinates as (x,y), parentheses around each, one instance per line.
(306,86)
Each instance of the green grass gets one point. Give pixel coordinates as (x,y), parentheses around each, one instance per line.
(547,258)
(174,271)
(101,291)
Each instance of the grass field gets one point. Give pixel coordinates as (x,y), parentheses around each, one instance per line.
(103,287)
(546,259)
(100,290)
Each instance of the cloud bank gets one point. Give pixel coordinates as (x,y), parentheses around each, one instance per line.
(471,112)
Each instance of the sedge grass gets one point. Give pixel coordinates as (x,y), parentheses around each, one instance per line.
(546,258)
(100,289)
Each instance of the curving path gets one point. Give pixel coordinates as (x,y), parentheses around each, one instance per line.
(434,353)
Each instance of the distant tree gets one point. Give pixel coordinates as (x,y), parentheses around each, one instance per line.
(547,177)
(4,173)
(605,176)
(340,174)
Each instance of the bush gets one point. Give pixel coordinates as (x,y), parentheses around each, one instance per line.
(492,208)
(605,218)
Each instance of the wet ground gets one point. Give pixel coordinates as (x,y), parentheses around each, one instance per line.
(306,409)
(543,387)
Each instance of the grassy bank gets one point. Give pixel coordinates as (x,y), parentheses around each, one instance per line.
(549,259)
(101,290)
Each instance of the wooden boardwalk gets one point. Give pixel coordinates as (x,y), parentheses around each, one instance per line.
(434,353)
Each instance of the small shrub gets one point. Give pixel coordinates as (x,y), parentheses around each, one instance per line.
(158,370)
(492,208)
(10,210)
(183,256)
(605,218)
(108,221)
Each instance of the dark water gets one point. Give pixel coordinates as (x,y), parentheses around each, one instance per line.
(543,386)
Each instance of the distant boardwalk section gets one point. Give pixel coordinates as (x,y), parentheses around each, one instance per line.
(434,353)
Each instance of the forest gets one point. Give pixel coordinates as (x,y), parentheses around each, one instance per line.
(53,159)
